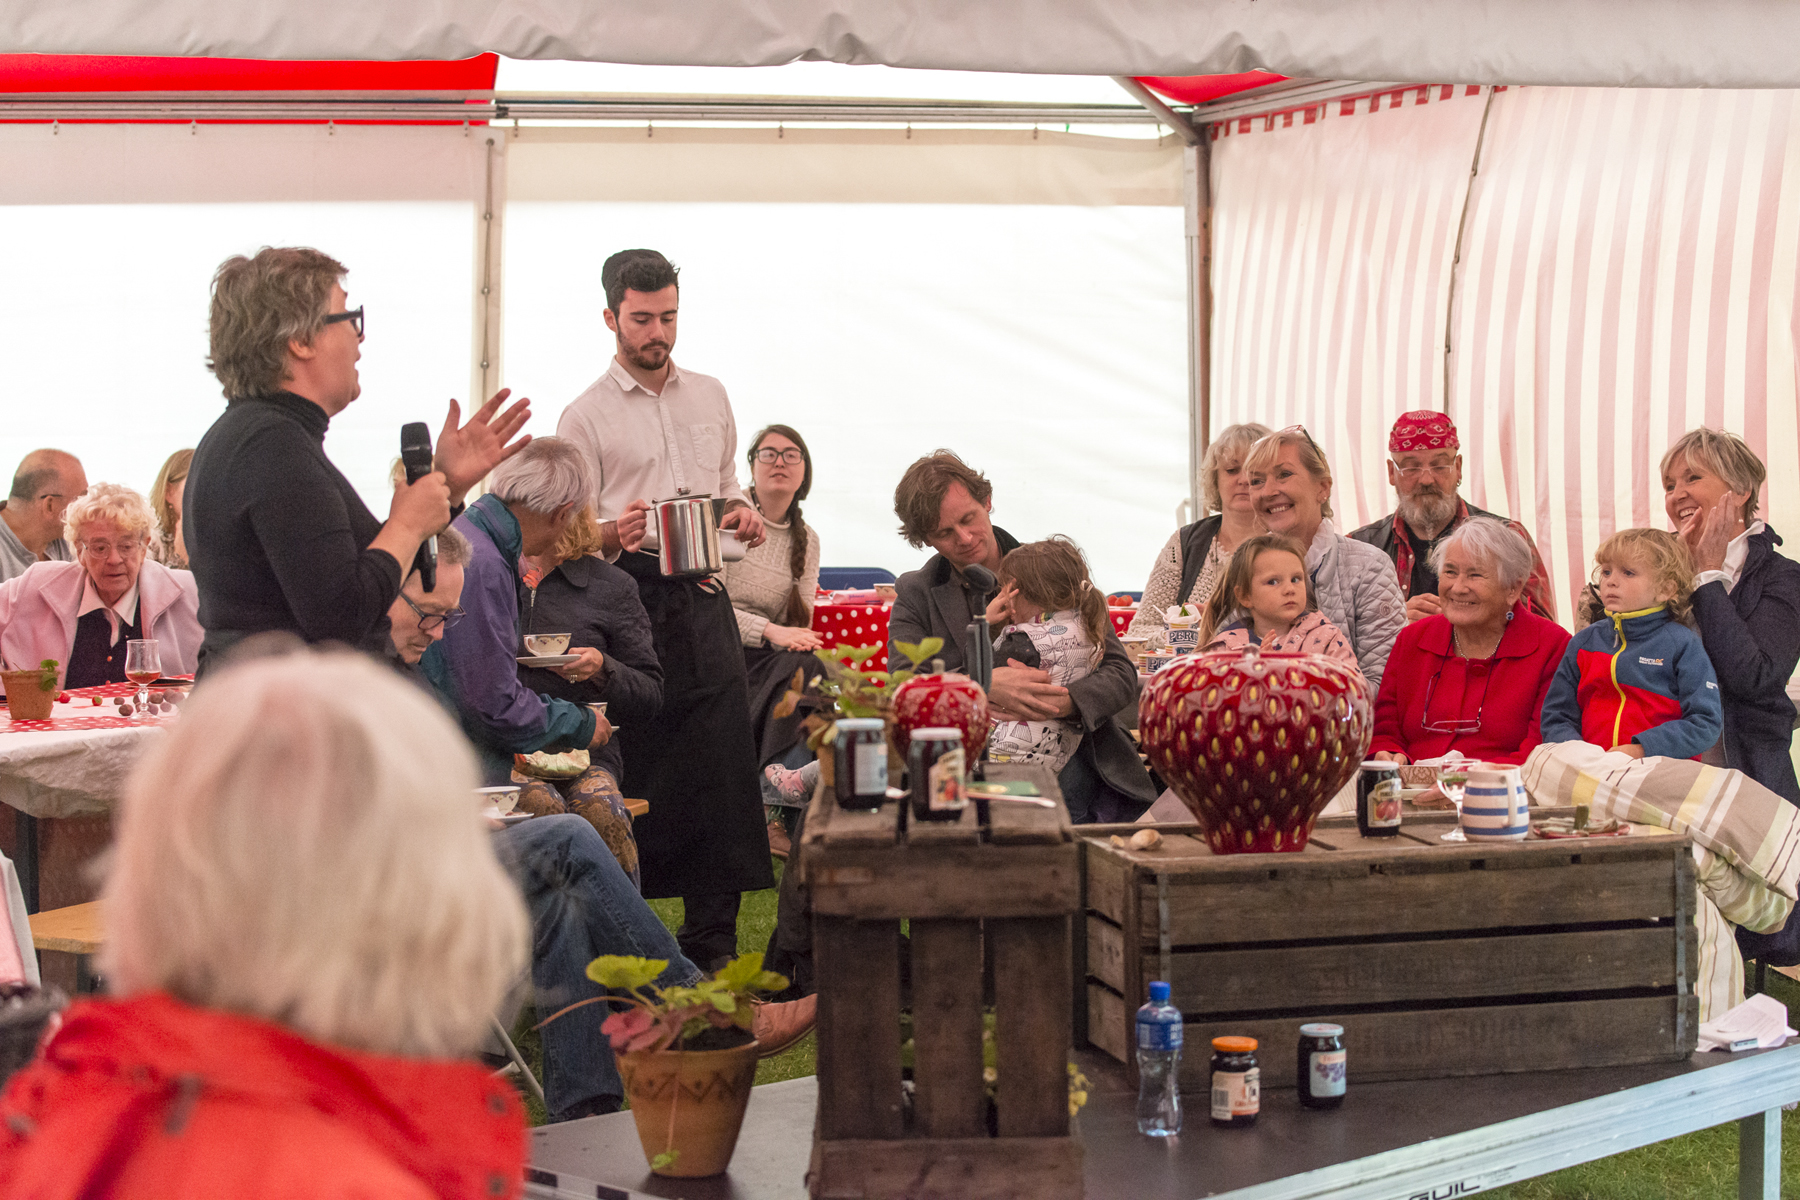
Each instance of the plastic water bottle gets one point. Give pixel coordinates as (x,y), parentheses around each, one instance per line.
(1159,1062)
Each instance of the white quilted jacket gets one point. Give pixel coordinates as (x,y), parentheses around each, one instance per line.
(1360,594)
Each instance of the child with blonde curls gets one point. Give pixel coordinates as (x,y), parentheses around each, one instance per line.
(1055,620)
(1637,680)
(1266,597)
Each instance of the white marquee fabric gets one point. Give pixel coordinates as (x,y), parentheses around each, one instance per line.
(1629,269)
(1647,43)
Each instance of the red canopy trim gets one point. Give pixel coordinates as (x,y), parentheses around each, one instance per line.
(23,73)
(1198,89)
(1346,106)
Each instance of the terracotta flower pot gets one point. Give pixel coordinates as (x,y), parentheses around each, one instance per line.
(1256,744)
(691,1101)
(26,698)
(949,701)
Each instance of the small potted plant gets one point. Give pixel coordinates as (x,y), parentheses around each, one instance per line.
(850,691)
(30,692)
(686,1055)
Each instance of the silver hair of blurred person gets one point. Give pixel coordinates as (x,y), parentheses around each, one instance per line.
(1489,540)
(547,474)
(110,502)
(1234,441)
(303,846)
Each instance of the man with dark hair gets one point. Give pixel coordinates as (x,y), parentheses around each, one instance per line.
(277,538)
(31,517)
(652,432)
(1425,468)
(944,503)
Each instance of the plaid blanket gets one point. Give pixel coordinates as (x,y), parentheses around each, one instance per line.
(1746,841)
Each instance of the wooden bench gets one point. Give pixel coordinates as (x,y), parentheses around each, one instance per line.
(636,808)
(76,930)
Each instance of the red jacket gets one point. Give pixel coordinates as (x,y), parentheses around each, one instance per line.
(1507,691)
(150,1097)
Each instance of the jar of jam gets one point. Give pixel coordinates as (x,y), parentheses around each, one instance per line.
(1236,1081)
(860,778)
(1321,1079)
(936,772)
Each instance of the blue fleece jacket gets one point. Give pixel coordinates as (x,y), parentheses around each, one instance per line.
(1635,677)
(476,665)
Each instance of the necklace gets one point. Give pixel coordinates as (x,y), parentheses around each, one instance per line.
(1456,644)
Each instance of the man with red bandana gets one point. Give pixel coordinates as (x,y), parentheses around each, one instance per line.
(1426,472)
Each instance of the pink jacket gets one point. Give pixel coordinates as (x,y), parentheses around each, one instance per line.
(37,614)
(1311,634)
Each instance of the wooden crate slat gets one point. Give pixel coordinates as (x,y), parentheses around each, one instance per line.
(858,1027)
(946,881)
(965,830)
(1011,823)
(1111,1023)
(1031,1024)
(949,1097)
(1297,905)
(947,1169)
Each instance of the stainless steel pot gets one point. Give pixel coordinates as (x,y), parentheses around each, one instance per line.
(687,532)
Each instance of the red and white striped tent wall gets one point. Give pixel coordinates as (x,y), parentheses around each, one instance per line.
(1627,271)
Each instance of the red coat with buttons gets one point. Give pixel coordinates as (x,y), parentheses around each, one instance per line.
(150,1097)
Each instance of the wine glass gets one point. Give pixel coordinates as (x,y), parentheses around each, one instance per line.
(1453,777)
(142,666)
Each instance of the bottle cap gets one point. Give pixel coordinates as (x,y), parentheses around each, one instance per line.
(1159,992)
(937,734)
(860,724)
(1322,1029)
(1235,1045)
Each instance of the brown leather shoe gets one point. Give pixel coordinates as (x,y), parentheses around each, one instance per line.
(779,1026)
(779,843)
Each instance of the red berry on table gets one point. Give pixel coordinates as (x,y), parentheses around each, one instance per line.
(62,697)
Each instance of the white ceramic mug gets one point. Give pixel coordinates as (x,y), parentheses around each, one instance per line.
(1495,807)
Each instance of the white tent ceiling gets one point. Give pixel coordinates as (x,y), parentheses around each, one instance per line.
(1646,43)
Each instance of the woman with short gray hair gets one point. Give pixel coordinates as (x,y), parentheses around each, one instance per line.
(1471,678)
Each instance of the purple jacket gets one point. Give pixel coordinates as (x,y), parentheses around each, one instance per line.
(476,665)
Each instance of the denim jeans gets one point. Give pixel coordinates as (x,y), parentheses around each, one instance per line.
(582,906)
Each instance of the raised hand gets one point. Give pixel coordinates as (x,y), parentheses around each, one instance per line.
(466,453)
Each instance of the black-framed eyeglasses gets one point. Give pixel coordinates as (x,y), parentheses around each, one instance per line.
(430,621)
(1458,726)
(354,316)
(790,457)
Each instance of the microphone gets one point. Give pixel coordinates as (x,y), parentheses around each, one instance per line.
(983,580)
(415,453)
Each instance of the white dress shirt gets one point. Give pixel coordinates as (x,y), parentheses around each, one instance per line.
(1735,552)
(118,615)
(655,447)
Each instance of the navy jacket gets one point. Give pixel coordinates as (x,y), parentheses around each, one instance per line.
(1752,635)
(476,665)
(1635,677)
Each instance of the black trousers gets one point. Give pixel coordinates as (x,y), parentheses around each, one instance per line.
(708,930)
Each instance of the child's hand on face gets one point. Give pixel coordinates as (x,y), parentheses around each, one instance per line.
(1000,608)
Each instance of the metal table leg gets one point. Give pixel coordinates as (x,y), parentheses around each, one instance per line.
(25,856)
(1759,1156)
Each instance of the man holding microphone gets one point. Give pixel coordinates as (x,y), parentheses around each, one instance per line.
(277,537)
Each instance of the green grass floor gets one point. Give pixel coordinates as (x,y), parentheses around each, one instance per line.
(1700,1166)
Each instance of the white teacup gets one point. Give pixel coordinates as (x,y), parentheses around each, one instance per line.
(504,799)
(547,644)
(1495,807)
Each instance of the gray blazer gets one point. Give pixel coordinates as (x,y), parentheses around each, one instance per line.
(934,602)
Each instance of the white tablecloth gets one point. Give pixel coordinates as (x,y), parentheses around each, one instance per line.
(69,774)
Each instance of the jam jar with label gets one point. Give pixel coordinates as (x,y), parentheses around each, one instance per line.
(1236,1081)
(935,771)
(860,775)
(1321,1079)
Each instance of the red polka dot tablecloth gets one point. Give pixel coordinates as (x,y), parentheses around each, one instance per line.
(854,625)
(1122,618)
(81,712)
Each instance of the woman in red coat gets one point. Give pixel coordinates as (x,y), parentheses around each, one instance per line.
(1473,678)
(307,935)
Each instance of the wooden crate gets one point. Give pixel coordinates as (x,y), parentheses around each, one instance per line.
(1438,958)
(1002,895)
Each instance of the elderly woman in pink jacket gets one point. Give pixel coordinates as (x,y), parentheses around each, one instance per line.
(82,613)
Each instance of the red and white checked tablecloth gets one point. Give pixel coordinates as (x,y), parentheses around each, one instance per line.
(74,715)
(854,625)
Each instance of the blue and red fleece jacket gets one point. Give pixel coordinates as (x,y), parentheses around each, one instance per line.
(1635,677)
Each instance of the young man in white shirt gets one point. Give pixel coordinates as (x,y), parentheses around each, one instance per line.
(653,432)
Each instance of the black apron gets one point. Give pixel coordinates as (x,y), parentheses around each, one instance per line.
(696,761)
(771,673)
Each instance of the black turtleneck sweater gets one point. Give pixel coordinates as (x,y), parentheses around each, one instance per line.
(277,538)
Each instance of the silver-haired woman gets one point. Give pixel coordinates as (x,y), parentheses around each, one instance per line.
(307,933)
(1192,561)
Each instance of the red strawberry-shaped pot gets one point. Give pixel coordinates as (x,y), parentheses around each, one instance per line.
(950,701)
(1256,744)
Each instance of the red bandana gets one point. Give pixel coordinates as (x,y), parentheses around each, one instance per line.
(1421,430)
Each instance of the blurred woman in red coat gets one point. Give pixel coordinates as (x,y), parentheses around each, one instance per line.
(307,932)
(1471,678)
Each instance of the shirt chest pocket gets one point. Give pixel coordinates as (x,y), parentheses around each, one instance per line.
(709,449)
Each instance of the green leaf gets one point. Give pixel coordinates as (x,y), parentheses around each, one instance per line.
(665,1159)
(47,681)
(741,972)
(625,972)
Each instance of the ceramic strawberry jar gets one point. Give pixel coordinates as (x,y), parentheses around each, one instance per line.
(953,701)
(1256,744)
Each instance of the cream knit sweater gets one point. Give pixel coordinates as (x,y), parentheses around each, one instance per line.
(759,583)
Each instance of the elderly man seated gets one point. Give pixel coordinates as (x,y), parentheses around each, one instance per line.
(82,613)
(31,517)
